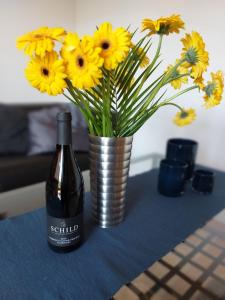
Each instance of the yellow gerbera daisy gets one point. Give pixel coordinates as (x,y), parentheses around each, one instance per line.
(194,53)
(144,58)
(177,82)
(47,74)
(84,64)
(185,117)
(214,90)
(200,82)
(114,44)
(70,44)
(164,25)
(40,40)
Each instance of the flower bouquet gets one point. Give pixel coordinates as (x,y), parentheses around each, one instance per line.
(111,79)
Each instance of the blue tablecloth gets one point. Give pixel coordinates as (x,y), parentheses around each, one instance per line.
(154,224)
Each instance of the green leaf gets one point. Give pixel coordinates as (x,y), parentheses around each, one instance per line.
(135,97)
(132,68)
(132,128)
(138,103)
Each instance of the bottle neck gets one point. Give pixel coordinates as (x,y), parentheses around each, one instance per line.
(64,133)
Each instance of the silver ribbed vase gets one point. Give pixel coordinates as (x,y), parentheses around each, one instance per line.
(109,168)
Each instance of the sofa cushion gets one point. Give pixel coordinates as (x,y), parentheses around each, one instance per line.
(14,134)
(79,129)
(18,171)
(42,129)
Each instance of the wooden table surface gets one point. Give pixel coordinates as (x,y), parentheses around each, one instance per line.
(194,269)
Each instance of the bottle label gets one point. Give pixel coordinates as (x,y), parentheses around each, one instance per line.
(64,232)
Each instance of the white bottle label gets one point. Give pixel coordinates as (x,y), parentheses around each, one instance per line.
(64,232)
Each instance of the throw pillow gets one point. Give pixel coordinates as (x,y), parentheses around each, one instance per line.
(14,133)
(79,129)
(42,128)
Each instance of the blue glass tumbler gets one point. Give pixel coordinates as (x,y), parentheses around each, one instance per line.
(183,150)
(172,177)
(203,181)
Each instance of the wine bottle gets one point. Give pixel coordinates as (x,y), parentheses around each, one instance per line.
(64,193)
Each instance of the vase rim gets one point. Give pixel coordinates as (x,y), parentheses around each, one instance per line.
(110,141)
(110,138)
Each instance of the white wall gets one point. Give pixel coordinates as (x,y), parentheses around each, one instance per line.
(16,18)
(205,16)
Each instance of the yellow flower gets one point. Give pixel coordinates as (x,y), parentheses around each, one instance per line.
(47,74)
(40,40)
(194,53)
(84,64)
(165,25)
(200,82)
(70,44)
(144,58)
(114,44)
(185,117)
(214,90)
(177,82)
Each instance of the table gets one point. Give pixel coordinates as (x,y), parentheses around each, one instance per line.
(194,269)
(110,257)
(28,198)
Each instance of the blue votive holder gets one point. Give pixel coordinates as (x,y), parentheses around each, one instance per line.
(203,181)
(172,177)
(183,150)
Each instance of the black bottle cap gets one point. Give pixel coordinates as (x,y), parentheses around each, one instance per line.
(64,131)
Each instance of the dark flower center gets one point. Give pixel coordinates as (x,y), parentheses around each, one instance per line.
(80,62)
(183,114)
(45,71)
(38,36)
(105,45)
(164,29)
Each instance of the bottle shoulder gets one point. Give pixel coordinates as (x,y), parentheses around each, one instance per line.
(65,176)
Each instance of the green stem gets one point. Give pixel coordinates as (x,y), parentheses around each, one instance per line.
(172,104)
(144,116)
(81,109)
(130,130)
(69,98)
(103,111)
(135,103)
(161,84)
(90,120)
(180,93)
(146,75)
(109,100)
(178,77)
(167,76)
(157,51)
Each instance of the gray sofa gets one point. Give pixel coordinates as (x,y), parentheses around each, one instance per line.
(19,169)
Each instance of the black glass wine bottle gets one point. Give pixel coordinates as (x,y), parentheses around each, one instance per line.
(64,193)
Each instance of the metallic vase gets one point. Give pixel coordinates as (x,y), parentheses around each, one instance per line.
(109,168)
